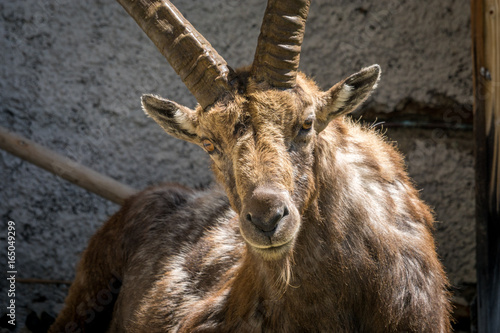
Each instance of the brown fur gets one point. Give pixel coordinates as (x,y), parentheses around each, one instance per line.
(359,254)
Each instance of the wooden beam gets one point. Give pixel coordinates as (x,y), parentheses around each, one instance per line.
(486,72)
(78,174)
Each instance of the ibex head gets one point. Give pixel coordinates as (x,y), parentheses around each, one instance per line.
(259,125)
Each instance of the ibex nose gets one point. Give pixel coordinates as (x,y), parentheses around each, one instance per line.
(267,222)
(265,209)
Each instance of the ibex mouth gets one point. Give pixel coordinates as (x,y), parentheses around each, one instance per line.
(273,252)
(272,246)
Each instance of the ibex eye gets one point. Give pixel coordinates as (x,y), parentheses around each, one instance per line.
(208,146)
(307,125)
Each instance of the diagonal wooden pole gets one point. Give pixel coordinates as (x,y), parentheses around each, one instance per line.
(72,171)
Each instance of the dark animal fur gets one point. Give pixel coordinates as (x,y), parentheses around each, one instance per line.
(363,258)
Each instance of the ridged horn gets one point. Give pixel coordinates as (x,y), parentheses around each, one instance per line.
(201,68)
(278,48)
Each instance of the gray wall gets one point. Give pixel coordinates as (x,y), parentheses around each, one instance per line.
(71,73)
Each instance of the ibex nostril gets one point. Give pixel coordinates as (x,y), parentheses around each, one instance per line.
(249,217)
(285,211)
(276,219)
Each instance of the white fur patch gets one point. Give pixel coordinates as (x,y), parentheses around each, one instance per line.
(184,121)
(343,96)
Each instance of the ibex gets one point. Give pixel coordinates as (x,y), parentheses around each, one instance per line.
(315,227)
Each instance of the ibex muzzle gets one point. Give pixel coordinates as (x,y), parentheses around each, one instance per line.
(269,221)
(266,209)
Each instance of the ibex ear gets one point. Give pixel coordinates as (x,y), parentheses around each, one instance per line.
(177,120)
(347,95)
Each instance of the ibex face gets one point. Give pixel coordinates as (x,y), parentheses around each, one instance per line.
(261,130)
(262,146)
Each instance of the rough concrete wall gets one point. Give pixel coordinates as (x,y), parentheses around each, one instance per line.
(71,73)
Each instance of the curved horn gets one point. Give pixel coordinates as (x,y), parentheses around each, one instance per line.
(278,49)
(201,68)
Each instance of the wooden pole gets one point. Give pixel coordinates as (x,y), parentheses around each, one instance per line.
(486,74)
(78,174)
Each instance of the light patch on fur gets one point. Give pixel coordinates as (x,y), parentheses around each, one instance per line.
(375,199)
(398,194)
(177,120)
(177,272)
(223,247)
(350,160)
(342,97)
(184,121)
